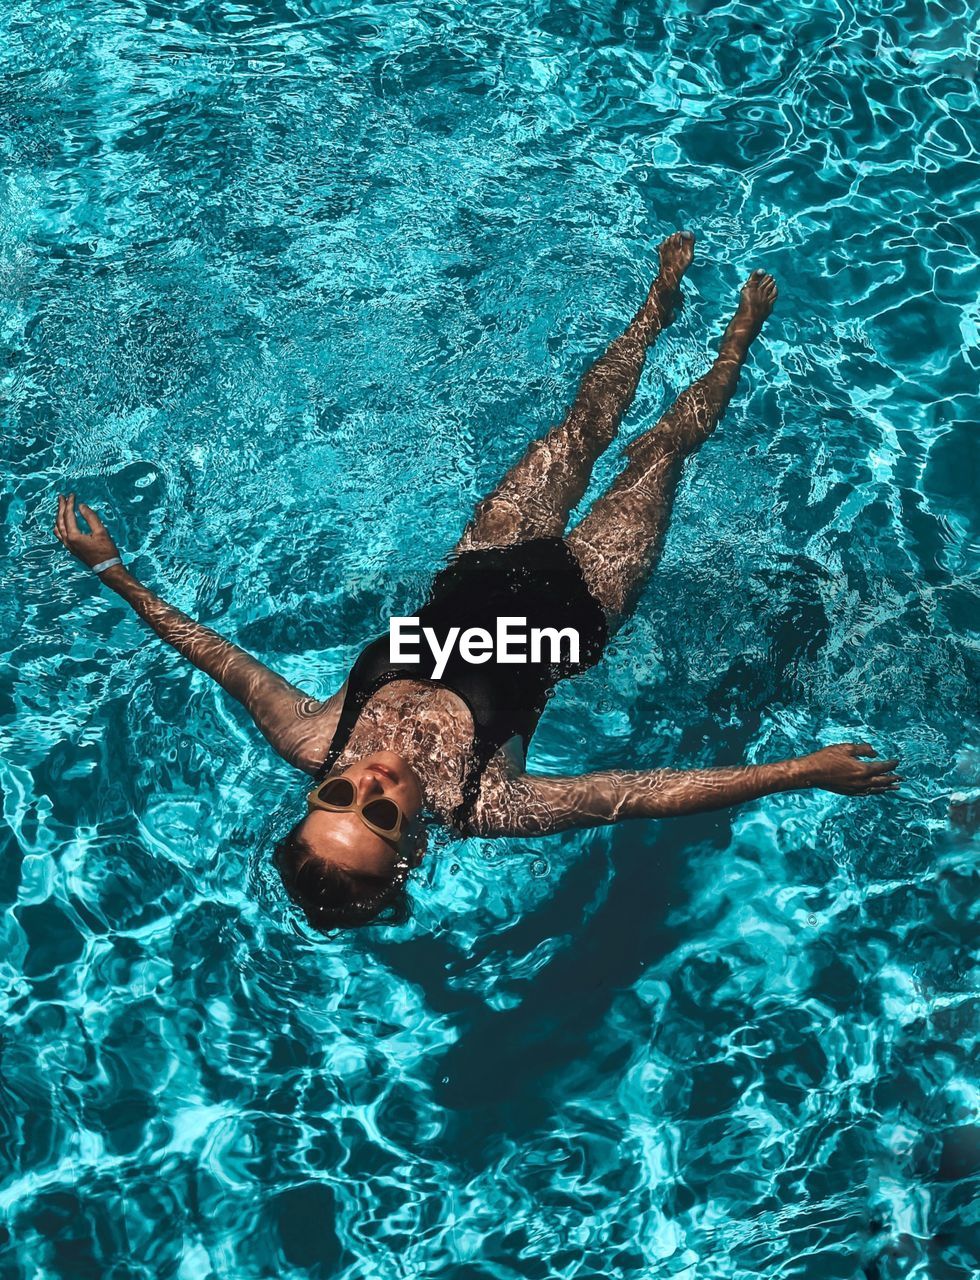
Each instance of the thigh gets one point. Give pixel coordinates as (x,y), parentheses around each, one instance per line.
(536,496)
(620,540)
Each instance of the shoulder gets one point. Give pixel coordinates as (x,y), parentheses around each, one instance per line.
(313,725)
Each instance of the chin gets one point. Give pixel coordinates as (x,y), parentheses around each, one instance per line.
(397,775)
(390,758)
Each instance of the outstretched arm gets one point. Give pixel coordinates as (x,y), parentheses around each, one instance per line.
(298,727)
(527,804)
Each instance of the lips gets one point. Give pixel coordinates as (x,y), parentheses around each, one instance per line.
(384,771)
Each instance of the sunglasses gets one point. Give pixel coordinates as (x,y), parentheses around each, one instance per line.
(379,814)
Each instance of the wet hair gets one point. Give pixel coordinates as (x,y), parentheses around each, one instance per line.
(333,898)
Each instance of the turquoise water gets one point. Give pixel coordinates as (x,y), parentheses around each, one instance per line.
(283,289)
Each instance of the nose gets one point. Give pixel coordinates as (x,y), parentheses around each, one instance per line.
(368,786)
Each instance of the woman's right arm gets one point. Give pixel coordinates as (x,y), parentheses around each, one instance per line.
(298,727)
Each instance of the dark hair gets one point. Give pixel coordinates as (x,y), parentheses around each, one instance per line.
(333,898)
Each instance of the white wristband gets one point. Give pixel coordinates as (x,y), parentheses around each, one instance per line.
(105,564)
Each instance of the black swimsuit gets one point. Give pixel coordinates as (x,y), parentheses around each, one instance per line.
(538,580)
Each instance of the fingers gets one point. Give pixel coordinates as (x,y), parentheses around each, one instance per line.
(92,518)
(880,777)
(71,524)
(861,749)
(61,520)
(883,785)
(65,523)
(881,766)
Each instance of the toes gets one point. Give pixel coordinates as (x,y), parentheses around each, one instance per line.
(760,279)
(677,249)
(761,286)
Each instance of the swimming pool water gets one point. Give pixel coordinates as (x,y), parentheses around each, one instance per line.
(284,287)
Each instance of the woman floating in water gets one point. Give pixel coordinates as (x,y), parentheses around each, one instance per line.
(395,741)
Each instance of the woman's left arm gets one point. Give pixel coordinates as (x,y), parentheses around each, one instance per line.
(298,727)
(527,804)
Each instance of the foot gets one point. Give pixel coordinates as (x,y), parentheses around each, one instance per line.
(664,297)
(755,304)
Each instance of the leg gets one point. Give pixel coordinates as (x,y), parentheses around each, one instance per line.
(620,539)
(537,494)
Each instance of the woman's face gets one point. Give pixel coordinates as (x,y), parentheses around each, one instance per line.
(342,838)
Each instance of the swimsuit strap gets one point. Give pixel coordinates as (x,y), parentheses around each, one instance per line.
(354,700)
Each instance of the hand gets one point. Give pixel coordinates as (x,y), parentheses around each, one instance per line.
(91,548)
(840,769)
